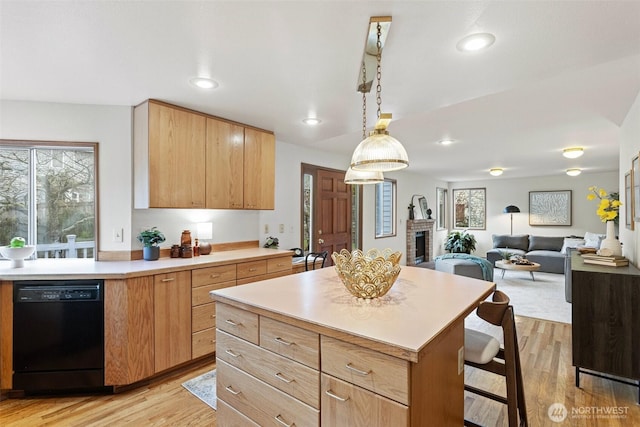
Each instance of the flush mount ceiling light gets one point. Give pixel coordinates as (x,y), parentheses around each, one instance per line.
(204,83)
(311,121)
(476,42)
(446,142)
(380,151)
(574,172)
(573,153)
(496,171)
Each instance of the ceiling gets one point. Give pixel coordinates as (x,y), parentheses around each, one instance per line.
(560,74)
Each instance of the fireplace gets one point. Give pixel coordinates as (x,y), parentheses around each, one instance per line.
(419,241)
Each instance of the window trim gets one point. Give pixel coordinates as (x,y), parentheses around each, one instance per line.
(393,209)
(484,208)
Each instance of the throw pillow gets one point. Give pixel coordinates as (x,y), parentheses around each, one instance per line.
(543,243)
(513,242)
(571,242)
(592,240)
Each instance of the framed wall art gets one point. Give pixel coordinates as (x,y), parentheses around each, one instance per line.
(550,207)
(628,200)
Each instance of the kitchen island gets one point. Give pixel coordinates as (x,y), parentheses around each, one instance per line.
(301,350)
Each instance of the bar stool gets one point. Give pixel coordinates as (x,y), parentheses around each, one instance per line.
(315,255)
(483,351)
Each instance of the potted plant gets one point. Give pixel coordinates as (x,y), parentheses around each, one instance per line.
(271,243)
(460,242)
(151,239)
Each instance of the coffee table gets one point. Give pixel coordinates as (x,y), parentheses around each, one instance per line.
(505,265)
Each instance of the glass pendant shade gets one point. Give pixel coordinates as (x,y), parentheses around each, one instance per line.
(379,152)
(363,177)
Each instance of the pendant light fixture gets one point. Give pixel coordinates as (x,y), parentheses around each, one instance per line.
(380,151)
(358,176)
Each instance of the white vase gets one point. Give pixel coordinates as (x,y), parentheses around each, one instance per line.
(610,243)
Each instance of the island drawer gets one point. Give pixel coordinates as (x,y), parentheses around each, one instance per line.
(203,317)
(290,341)
(345,404)
(231,417)
(210,275)
(279,264)
(372,370)
(203,342)
(250,269)
(259,401)
(293,378)
(238,322)
(201,295)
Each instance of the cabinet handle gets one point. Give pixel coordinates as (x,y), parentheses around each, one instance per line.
(213,316)
(232,391)
(170,279)
(214,276)
(281,341)
(282,265)
(335,396)
(232,323)
(252,269)
(283,378)
(357,371)
(282,421)
(232,353)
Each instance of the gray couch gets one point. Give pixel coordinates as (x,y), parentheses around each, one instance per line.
(546,251)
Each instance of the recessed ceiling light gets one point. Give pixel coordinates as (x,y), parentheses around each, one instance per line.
(475,42)
(446,142)
(496,171)
(574,172)
(573,153)
(204,83)
(311,121)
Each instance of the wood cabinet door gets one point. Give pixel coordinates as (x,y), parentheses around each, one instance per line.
(259,169)
(176,158)
(224,165)
(172,319)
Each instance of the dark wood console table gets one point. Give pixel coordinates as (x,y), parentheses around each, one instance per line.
(605,317)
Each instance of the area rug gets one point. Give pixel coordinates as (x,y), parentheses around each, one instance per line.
(542,298)
(203,387)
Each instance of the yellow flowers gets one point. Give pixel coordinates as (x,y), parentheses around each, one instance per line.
(609,203)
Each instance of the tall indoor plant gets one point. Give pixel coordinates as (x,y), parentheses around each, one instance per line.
(151,239)
(460,242)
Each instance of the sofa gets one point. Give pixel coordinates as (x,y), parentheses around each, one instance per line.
(549,252)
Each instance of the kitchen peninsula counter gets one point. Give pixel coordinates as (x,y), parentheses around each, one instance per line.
(418,327)
(80,268)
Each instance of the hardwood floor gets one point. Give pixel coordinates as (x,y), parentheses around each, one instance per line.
(545,350)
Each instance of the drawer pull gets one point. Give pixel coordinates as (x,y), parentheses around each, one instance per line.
(281,341)
(282,265)
(232,323)
(282,421)
(335,396)
(232,353)
(232,391)
(170,279)
(283,378)
(213,316)
(214,276)
(252,269)
(357,371)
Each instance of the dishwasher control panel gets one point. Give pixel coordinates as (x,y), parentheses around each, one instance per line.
(54,292)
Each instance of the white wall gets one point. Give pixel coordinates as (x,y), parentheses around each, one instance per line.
(502,192)
(629,148)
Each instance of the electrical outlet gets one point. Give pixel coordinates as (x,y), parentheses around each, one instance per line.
(117,235)
(266,228)
(281,228)
(460,360)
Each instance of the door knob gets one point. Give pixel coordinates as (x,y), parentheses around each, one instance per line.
(320,241)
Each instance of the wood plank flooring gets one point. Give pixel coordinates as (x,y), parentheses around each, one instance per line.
(545,349)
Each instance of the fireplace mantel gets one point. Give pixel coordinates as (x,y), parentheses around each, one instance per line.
(415,226)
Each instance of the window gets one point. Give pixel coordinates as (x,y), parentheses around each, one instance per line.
(47,196)
(385,208)
(469,208)
(441,215)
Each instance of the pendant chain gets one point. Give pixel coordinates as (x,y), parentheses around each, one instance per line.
(379,69)
(364,101)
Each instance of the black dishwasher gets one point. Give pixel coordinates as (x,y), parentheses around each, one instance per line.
(58,335)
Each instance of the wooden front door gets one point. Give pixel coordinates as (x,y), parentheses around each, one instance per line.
(332,215)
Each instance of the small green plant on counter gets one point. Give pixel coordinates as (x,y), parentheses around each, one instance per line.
(460,242)
(17,242)
(151,237)
(271,243)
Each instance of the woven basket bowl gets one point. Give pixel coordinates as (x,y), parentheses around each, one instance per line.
(369,275)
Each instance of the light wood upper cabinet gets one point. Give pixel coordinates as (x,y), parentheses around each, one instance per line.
(259,169)
(225,165)
(169,157)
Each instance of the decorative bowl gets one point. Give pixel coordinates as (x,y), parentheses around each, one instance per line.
(369,275)
(17,255)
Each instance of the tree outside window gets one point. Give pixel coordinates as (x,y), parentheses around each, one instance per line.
(469,208)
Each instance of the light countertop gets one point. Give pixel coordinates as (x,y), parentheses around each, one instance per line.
(79,268)
(422,304)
